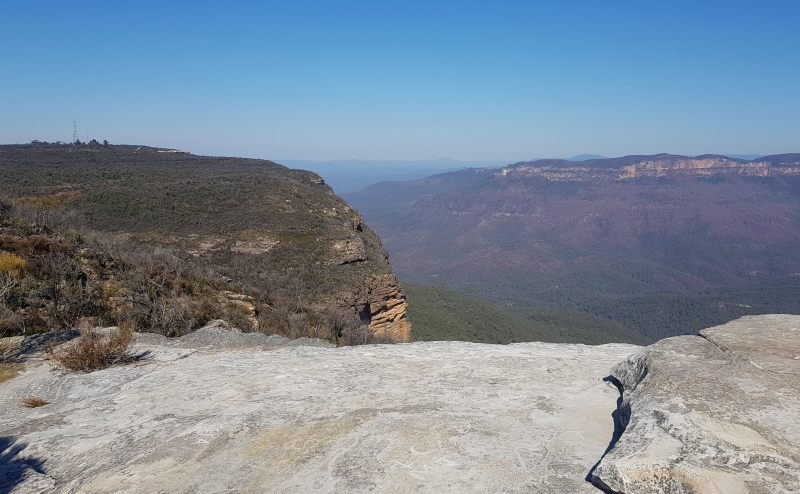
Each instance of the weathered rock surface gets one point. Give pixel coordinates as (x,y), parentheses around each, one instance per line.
(217,335)
(716,413)
(422,417)
(220,411)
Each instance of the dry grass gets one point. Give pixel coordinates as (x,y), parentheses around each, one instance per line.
(51,201)
(94,351)
(9,371)
(34,402)
(11,264)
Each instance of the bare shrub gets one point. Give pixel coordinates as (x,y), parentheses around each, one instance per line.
(10,321)
(271,322)
(175,316)
(94,351)
(297,324)
(70,290)
(363,335)
(237,316)
(355,336)
(161,299)
(337,325)
(341,321)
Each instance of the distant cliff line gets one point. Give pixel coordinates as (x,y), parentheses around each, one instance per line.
(653,166)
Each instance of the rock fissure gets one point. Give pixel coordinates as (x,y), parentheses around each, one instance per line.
(720,347)
(619,429)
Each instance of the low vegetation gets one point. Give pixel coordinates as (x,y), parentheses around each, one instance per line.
(55,278)
(34,402)
(94,350)
(62,277)
(114,235)
(440,314)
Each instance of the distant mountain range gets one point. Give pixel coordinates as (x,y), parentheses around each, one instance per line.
(585,157)
(352,175)
(660,244)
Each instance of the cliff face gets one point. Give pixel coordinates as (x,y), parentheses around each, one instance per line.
(387,308)
(273,232)
(379,300)
(636,167)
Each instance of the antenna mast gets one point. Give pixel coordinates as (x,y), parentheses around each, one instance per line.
(74,132)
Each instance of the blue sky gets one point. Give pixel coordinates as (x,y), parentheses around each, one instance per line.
(406,80)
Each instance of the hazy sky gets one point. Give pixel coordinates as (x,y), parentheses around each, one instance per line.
(484,80)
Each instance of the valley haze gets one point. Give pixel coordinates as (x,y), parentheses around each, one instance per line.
(591,250)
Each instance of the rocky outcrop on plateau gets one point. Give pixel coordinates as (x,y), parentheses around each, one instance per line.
(263,416)
(715,413)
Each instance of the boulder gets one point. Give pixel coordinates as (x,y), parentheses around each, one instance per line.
(714,413)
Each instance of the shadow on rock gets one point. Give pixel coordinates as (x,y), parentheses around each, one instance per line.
(619,428)
(37,343)
(16,468)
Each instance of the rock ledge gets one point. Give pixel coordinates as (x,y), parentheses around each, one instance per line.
(715,413)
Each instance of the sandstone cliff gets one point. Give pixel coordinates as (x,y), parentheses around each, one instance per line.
(660,165)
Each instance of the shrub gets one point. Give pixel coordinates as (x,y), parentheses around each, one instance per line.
(238,317)
(68,291)
(34,402)
(363,335)
(176,316)
(94,351)
(165,315)
(6,208)
(11,264)
(10,322)
(11,267)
